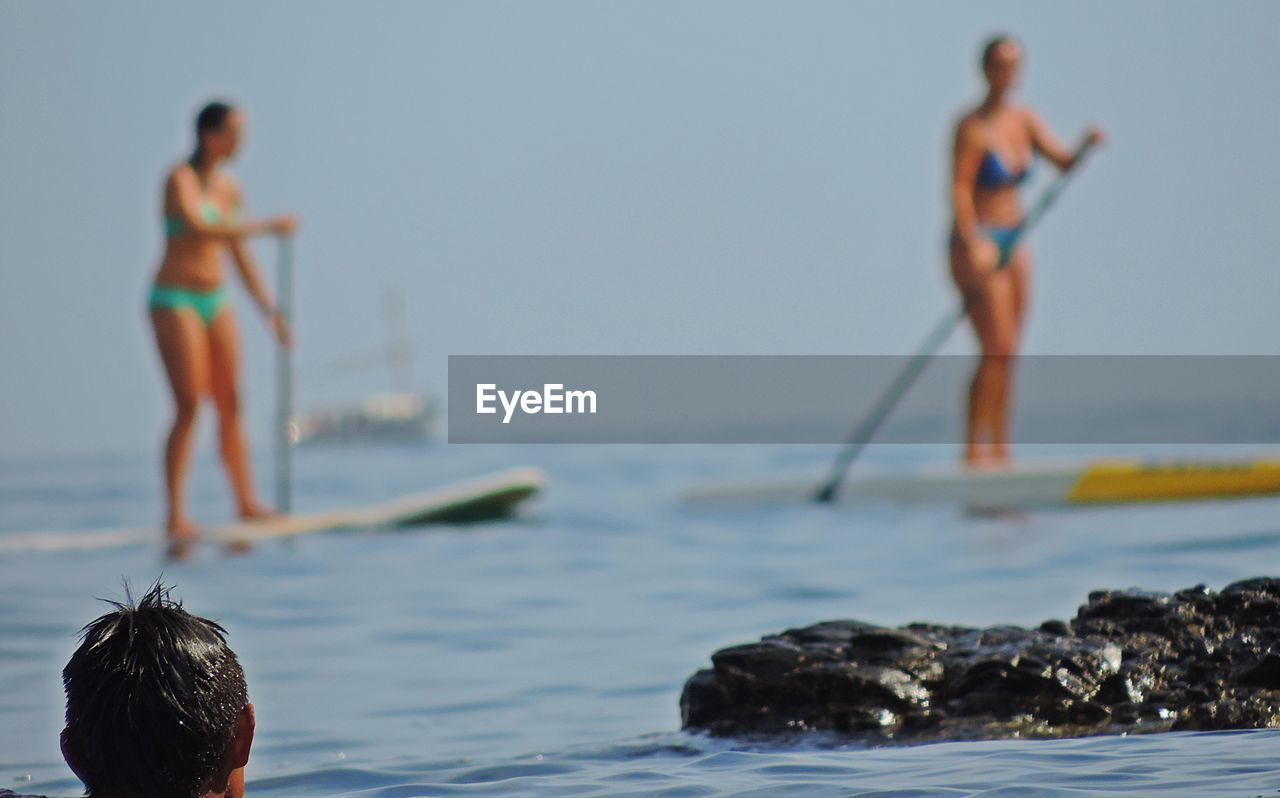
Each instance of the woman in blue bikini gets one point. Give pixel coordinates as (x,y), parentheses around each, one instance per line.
(195,329)
(995,144)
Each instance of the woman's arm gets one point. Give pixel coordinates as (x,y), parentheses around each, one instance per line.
(1044,142)
(252,278)
(965,160)
(184,188)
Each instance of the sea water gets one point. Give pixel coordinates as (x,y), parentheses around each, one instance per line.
(545,655)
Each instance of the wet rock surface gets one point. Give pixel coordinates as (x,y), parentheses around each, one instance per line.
(1130,661)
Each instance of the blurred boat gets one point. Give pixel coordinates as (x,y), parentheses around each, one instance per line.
(385,418)
(400,416)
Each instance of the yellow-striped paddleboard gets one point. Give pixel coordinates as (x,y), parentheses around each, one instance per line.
(1112,481)
(491,497)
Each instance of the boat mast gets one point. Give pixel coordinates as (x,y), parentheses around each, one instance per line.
(399,345)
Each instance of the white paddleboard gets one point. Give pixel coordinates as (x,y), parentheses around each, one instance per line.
(485,498)
(1026,484)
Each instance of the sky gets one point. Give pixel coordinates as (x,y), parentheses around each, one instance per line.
(626,177)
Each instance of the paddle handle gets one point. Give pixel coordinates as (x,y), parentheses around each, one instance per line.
(284,378)
(1045,201)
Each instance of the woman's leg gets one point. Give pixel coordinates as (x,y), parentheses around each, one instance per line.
(224,349)
(994,313)
(184,350)
(991,314)
(1020,268)
(1011,323)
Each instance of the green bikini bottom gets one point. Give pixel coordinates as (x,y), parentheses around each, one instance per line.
(206,304)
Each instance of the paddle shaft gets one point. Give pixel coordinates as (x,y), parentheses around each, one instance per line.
(865,431)
(284,376)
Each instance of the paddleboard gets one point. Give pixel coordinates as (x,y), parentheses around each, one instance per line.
(490,497)
(1026,484)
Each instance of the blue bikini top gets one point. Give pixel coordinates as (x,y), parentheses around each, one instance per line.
(993,174)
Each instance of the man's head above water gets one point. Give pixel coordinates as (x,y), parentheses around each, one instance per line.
(157,705)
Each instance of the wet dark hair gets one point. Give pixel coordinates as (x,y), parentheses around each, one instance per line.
(153,697)
(212,117)
(989,49)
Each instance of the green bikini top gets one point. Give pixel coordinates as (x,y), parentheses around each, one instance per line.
(174,225)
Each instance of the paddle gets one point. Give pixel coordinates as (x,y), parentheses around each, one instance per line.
(284,375)
(864,432)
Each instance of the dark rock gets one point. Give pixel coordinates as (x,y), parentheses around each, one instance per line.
(1264,674)
(1130,661)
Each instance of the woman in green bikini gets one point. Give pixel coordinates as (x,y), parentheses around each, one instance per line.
(195,329)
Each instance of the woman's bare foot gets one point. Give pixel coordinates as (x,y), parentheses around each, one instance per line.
(986,462)
(973,453)
(181,528)
(257,512)
(182,534)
